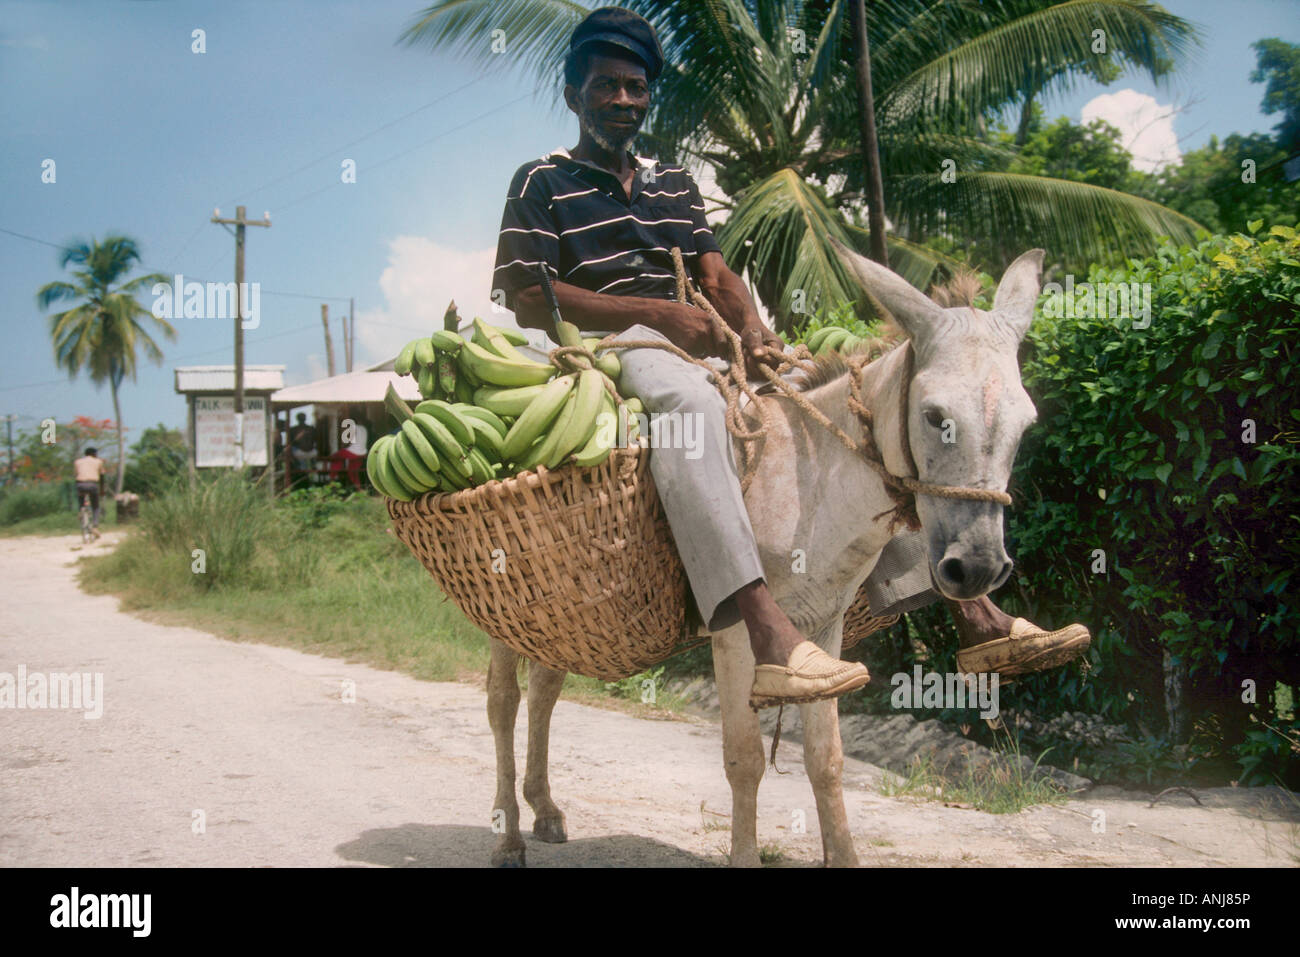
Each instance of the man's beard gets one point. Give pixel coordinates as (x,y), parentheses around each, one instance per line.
(616,146)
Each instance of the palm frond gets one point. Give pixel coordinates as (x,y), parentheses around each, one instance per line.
(989,69)
(533,37)
(1077,221)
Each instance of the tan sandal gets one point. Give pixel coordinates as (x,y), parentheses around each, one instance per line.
(1027,649)
(810,675)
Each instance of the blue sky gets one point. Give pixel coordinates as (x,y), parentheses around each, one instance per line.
(148,137)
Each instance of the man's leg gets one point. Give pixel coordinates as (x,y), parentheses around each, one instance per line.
(700,490)
(988,638)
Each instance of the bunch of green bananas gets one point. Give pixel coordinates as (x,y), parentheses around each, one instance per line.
(490,412)
(832,337)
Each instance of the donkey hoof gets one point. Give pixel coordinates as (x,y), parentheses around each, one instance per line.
(550,830)
(508,857)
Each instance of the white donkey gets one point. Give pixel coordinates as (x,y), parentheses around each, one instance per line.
(966,410)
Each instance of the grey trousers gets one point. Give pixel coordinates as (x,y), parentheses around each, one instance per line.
(695,472)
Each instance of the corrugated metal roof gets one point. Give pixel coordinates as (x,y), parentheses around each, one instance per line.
(351,387)
(257,378)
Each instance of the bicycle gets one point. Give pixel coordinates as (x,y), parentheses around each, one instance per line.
(88,531)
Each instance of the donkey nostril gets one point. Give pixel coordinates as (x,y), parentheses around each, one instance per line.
(952,570)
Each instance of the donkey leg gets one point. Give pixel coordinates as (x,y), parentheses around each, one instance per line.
(502,706)
(742,742)
(823,757)
(543,691)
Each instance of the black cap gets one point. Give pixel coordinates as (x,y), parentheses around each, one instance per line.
(621,27)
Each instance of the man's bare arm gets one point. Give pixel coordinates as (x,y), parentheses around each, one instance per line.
(727,292)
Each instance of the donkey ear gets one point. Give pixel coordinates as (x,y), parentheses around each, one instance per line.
(911,308)
(1018,291)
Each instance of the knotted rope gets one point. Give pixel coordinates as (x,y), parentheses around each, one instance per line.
(734,381)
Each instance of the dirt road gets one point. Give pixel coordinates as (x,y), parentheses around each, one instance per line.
(215,753)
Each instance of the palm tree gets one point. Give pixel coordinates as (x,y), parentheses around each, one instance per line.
(102,332)
(764,92)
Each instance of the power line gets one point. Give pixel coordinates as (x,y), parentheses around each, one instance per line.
(192,355)
(365,136)
(372,166)
(264,292)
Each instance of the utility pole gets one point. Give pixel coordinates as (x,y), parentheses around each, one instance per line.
(329,342)
(352,331)
(9,428)
(239,222)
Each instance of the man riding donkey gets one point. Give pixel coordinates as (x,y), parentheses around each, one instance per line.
(602,222)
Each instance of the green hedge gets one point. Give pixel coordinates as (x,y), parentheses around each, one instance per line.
(1172,449)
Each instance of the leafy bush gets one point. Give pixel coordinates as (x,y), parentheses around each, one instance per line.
(156,462)
(224,515)
(31,501)
(1170,452)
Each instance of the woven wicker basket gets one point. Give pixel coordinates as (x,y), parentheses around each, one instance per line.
(859,622)
(574,568)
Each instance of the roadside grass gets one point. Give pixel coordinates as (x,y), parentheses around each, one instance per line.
(320,573)
(57,523)
(1001,786)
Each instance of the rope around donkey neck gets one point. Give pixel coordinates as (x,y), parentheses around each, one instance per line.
(735,381)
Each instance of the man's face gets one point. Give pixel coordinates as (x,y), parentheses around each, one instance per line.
(613,100)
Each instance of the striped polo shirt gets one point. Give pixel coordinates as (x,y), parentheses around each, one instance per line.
(577,219)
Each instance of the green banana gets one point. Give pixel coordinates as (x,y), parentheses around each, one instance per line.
(532,457)
(446,374)
(404,478)
(378,473)
(499,371)
(486,440)
(410,460)
(464,391)
(513,336)
(550,453)
(483,469)
(493,340)
(402,364)
(850,343)
(452,479)
(424,353)
(634,404)
(450,416)
(471,411)
(427,381)
(448,342)
(607,361)
(450,452)
(539,414)
(466,373)
(814,341)
(421,445)
(507,401)
(575,433)
(391,480)
(832,341)
(603,438)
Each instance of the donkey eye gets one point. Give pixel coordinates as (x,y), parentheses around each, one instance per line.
(934,417)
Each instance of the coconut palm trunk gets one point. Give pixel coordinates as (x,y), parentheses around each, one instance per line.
(870,146)
(113,381)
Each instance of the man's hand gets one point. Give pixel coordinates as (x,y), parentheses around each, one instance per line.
(761,346)
(692,330)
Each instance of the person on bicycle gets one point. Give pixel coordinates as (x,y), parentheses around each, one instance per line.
(89,473)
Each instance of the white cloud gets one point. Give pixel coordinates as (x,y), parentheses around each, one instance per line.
(421,277)
(1146,127)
